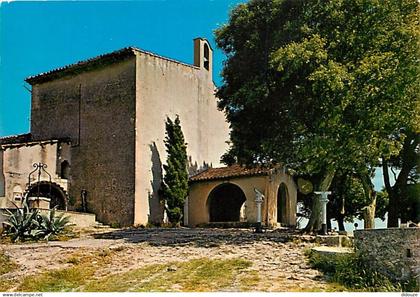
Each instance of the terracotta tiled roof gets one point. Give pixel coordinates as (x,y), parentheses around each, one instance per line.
(94,62)
(227,172)
(27,140)
(21,138)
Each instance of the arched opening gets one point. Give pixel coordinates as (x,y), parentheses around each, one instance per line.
(225,202)
(65,169)
(206,57)
(57,196)
(282,198)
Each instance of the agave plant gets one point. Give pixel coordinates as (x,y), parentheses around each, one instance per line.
(50,224)
(22,223)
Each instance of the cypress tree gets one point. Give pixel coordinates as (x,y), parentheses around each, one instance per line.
(175,187)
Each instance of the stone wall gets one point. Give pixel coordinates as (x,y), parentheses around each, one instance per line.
(168,88)
(394,251)
(113,110)
(96,110)
(77,219)
(18,162)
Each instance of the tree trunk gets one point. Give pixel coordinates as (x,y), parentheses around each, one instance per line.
(315,220)
(369,214)
(393,199)
(409,159)
(369,210)
(340,221)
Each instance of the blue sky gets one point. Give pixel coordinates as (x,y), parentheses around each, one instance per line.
(40,36)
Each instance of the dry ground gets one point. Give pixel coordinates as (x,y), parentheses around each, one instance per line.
(273,261)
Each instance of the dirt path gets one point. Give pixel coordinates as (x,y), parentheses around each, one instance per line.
(277,257)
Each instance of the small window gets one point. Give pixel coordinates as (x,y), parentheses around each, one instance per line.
(65,169)
(206,57)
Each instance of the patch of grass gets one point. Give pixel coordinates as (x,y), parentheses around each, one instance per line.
(6,264)
(63,280)
(248,280)
(330,287)
(194,275)
(6,285)
(73,260)
(352,272)
(124,281)
(68,279)
(200,275)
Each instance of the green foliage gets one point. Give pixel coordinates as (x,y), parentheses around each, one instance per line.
(22,223)
(382,204)
(50,224)
(354,273)
(411,203)
(28,224)
(175,186)
(322,86)
(316,84)
(347,189)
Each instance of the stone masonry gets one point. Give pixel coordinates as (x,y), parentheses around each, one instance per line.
(394,251)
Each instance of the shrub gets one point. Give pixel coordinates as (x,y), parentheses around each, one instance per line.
(26,224)
(353,272)
(22,223)
(50,224)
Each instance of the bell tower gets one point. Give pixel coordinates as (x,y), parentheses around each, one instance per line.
(203,55)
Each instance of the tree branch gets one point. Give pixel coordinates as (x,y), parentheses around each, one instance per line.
(385,174)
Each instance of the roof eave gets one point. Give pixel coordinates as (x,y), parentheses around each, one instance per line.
(81,66)
(228,177)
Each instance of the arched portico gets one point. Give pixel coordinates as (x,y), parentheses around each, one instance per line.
(224,203)
(214,196)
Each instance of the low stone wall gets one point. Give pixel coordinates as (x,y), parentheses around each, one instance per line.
(393,251)
(78,219)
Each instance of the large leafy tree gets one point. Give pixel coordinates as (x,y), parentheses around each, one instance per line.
(321,86)
(348,200)
(404,194)
(175,185)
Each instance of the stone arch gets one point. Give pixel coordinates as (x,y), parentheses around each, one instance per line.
(224,203)
(282,203)
(49,190)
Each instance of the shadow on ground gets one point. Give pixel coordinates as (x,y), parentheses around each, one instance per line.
(203,237)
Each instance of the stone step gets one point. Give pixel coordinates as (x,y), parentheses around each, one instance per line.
(100,225)
(331,251)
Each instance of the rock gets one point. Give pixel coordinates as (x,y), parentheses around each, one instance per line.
(172,268)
